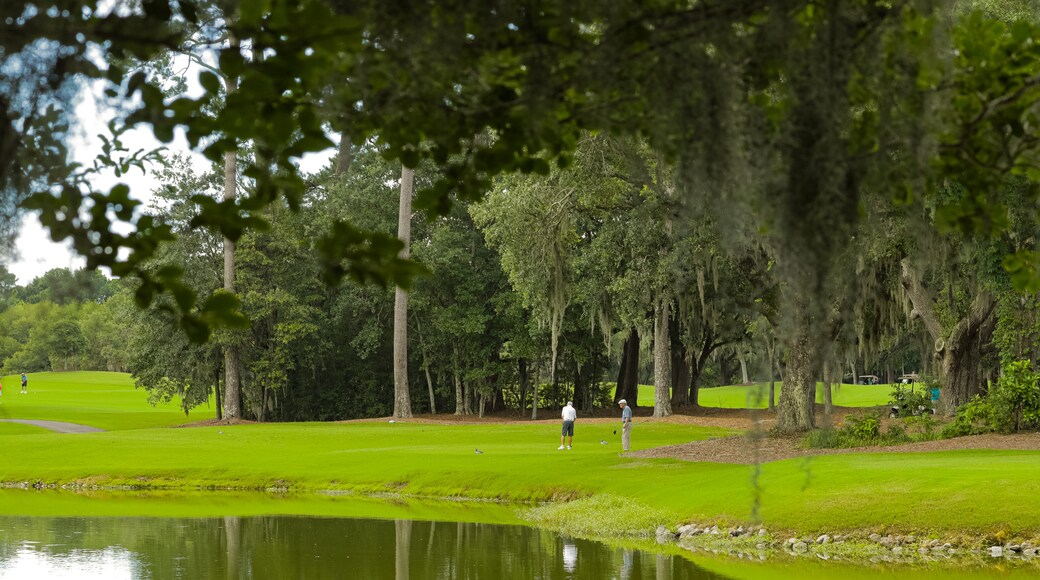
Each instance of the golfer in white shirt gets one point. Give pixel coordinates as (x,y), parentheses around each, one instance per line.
(568,415)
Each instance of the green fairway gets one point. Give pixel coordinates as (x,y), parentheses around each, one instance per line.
(929,491)
(19,429)
(946,491)
(757,396)
(105,400)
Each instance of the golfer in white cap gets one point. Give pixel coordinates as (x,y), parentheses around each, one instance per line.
(626,425)
(568,415)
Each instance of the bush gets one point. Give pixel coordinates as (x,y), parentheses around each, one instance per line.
(854,431)
(1014,402)
(972,418)
(896,434)
(865,431)
(825,438)
(911,401)
(865,428)
(922,427)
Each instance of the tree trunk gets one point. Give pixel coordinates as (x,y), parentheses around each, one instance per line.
(628,377)
(216,396)
(697,364)
(743,368)
(958,351)
(619,386)
(771,352)
(429,385)
(681,376)
(460,405)
(498,399)
(662,362)
(534,393)
(796,410)
(426,367)
(960,361)
(467,397)
(521,369)
(232,379)
(727,367)
(344,157)
(827,401)
(578,392)
(696,368)
(402,397)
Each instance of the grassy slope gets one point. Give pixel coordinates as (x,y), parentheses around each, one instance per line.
(977,491)
(755,396)
(183,504)
(104,400)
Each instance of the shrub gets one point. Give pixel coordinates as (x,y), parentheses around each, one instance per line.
(911,401)
(854,431)
(923,427)
(897,434)
(865,428)
(1014,402)
(826,438)
(973,418)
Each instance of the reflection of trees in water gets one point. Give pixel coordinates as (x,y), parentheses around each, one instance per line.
(402,548)
(302,547)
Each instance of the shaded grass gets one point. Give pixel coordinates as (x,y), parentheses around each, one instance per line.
(757,396)
(100,399)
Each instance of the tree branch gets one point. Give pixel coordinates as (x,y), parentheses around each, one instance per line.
(923,303)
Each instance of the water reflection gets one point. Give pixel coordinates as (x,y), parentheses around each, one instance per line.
(234,548)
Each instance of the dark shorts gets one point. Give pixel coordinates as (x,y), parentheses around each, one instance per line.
(568,428)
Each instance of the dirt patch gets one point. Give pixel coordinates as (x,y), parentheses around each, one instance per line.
(751,449)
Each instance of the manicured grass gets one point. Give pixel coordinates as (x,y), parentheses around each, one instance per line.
(210,503)
(105,400)
(20,429)
(972,491)
(756,396)
(520,461)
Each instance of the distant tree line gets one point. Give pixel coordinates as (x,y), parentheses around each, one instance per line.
(62,321)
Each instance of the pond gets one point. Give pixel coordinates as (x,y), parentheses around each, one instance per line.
(286,547)
(88,535)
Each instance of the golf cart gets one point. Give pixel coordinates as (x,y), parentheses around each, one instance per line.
(869,380)
(908,379)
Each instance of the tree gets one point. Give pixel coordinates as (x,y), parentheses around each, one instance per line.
(402,397)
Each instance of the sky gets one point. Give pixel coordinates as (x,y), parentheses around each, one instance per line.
(36,253)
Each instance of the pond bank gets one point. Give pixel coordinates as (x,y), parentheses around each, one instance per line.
(596,518)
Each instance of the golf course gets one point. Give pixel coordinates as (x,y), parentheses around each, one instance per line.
(966,491)
(756,395)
